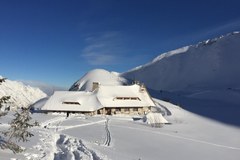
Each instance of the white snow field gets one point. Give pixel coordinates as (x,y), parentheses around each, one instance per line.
(188,136)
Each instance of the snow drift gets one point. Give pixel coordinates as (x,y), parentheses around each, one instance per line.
(21,95)
(155,119)
(210,64)
(97,75)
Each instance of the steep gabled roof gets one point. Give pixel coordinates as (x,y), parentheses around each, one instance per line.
(72,101)
(123,96)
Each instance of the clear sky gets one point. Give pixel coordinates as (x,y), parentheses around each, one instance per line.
(56,41)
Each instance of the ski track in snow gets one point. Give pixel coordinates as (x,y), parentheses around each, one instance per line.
(181,137)
(108,135)
(53,120)
(81,125)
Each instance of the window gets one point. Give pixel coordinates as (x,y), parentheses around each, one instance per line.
(135,109)
(126,109)
(74,103)
(127,98)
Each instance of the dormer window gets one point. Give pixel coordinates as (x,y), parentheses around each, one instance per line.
(127,98)
(72,103)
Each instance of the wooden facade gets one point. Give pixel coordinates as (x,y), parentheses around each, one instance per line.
(122,110)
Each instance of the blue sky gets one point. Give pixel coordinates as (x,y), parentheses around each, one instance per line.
(58,41)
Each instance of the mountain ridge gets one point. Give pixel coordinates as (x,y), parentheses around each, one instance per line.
(208,64)
(20,95)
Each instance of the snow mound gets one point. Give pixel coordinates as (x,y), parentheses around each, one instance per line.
(155,119)
(72,148)
(212,64)
(21,95)
(97,75)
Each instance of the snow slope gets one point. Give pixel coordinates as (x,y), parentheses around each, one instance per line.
(202,78)
(97,75)
(21,95)
(208,65)
(188,137)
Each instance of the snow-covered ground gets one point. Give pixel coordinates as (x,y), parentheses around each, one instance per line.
(188,136)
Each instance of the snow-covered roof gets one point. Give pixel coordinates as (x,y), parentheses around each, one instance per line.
(97,75)
(123,96)
(64,101)
(104,96)
(154,118)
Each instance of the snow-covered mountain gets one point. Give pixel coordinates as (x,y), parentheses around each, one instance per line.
(46,88)
(203,78)
(97,75)
(21,95)
(212,64)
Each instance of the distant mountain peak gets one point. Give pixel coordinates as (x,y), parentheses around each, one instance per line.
(21,95)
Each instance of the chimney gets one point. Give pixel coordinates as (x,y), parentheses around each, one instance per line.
(142,88)
(95,86)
